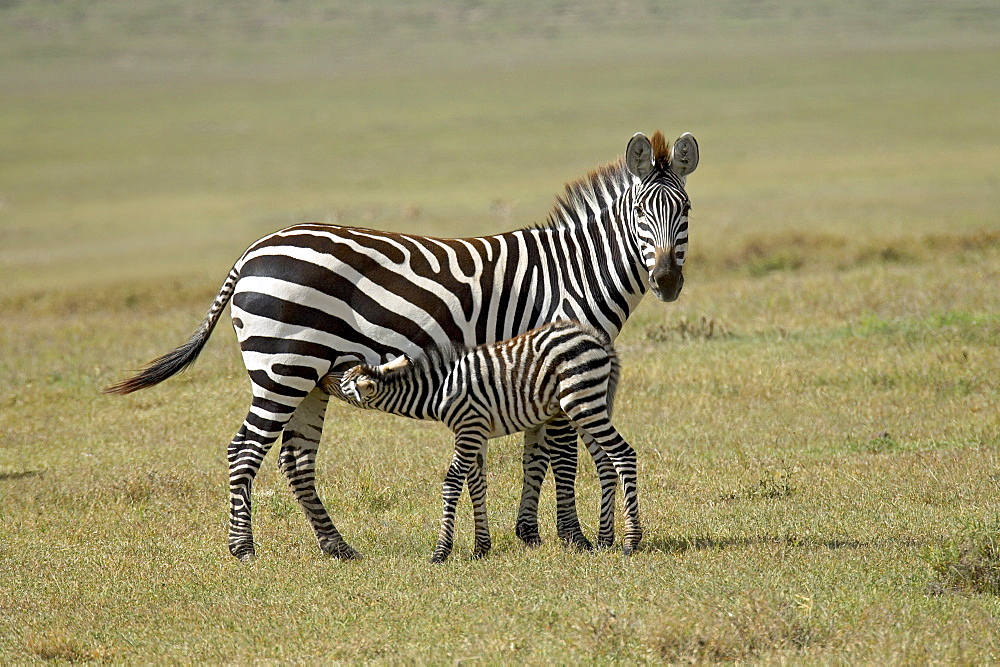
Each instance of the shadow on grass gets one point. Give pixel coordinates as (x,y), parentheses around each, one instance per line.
(6,476)
(676,545)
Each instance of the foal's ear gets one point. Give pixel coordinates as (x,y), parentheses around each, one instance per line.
(639,155)
(397,364)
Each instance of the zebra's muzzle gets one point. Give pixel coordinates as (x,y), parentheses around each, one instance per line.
(666,278)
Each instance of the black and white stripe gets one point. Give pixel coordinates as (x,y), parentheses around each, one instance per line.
(314,298)
(562,369)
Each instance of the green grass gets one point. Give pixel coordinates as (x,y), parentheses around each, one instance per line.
(816,418)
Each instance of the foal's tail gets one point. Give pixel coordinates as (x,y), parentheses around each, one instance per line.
(177,360)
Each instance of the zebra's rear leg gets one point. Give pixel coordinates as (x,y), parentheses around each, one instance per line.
(297,461)
(245,453)
(609,483)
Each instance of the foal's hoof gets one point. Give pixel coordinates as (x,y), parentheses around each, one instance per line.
(341,551)
(439,558)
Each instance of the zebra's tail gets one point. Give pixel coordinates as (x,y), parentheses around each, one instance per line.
(177,360)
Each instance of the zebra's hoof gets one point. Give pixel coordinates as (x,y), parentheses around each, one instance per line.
(243,552)
(480,554)
(578,542)
(528,535)
(629,549)
(605,542)
(439,558)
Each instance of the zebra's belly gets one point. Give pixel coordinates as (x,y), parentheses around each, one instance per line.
(510,424)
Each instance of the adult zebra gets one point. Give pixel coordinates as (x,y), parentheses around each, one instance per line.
(559,369)
(312,299)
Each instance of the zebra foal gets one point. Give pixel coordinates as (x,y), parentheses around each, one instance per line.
(562,369)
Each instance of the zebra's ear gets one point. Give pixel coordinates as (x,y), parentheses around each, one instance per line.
(684,155)
(639,155)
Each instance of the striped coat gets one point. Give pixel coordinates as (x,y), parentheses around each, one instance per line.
(315,298)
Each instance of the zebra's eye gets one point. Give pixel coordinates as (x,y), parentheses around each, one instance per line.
(640,211)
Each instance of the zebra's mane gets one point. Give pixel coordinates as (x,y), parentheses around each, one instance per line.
(571,207)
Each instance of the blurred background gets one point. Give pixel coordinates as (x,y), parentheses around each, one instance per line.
(814,416)
(153,138)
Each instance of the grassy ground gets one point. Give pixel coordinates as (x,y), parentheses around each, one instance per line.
(816,418)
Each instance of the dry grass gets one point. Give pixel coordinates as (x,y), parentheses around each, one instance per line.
(815,418)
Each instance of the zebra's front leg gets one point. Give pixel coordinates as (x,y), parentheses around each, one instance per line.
(297,461)
(477,493)
(467,446)
(608,478)
(554,441)
(560,441)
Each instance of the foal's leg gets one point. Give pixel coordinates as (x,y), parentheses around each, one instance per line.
(609,482)
(477,493)
(297,461)
(623,457)
(467,446)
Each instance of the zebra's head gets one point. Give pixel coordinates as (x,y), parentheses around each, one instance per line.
(658,207)
(360,384)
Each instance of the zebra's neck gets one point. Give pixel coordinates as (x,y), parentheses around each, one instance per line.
(415,392)
(599,270)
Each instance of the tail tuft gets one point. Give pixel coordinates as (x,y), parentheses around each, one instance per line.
(175,361)
(161,368)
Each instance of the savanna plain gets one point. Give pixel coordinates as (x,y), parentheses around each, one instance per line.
(816,418)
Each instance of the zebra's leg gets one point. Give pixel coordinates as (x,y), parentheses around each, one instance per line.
(609,483)
(555,442)
(297,461)
(467,446)
(535,463)
(560,440)
(261,428)
(623,457)
(477,493)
